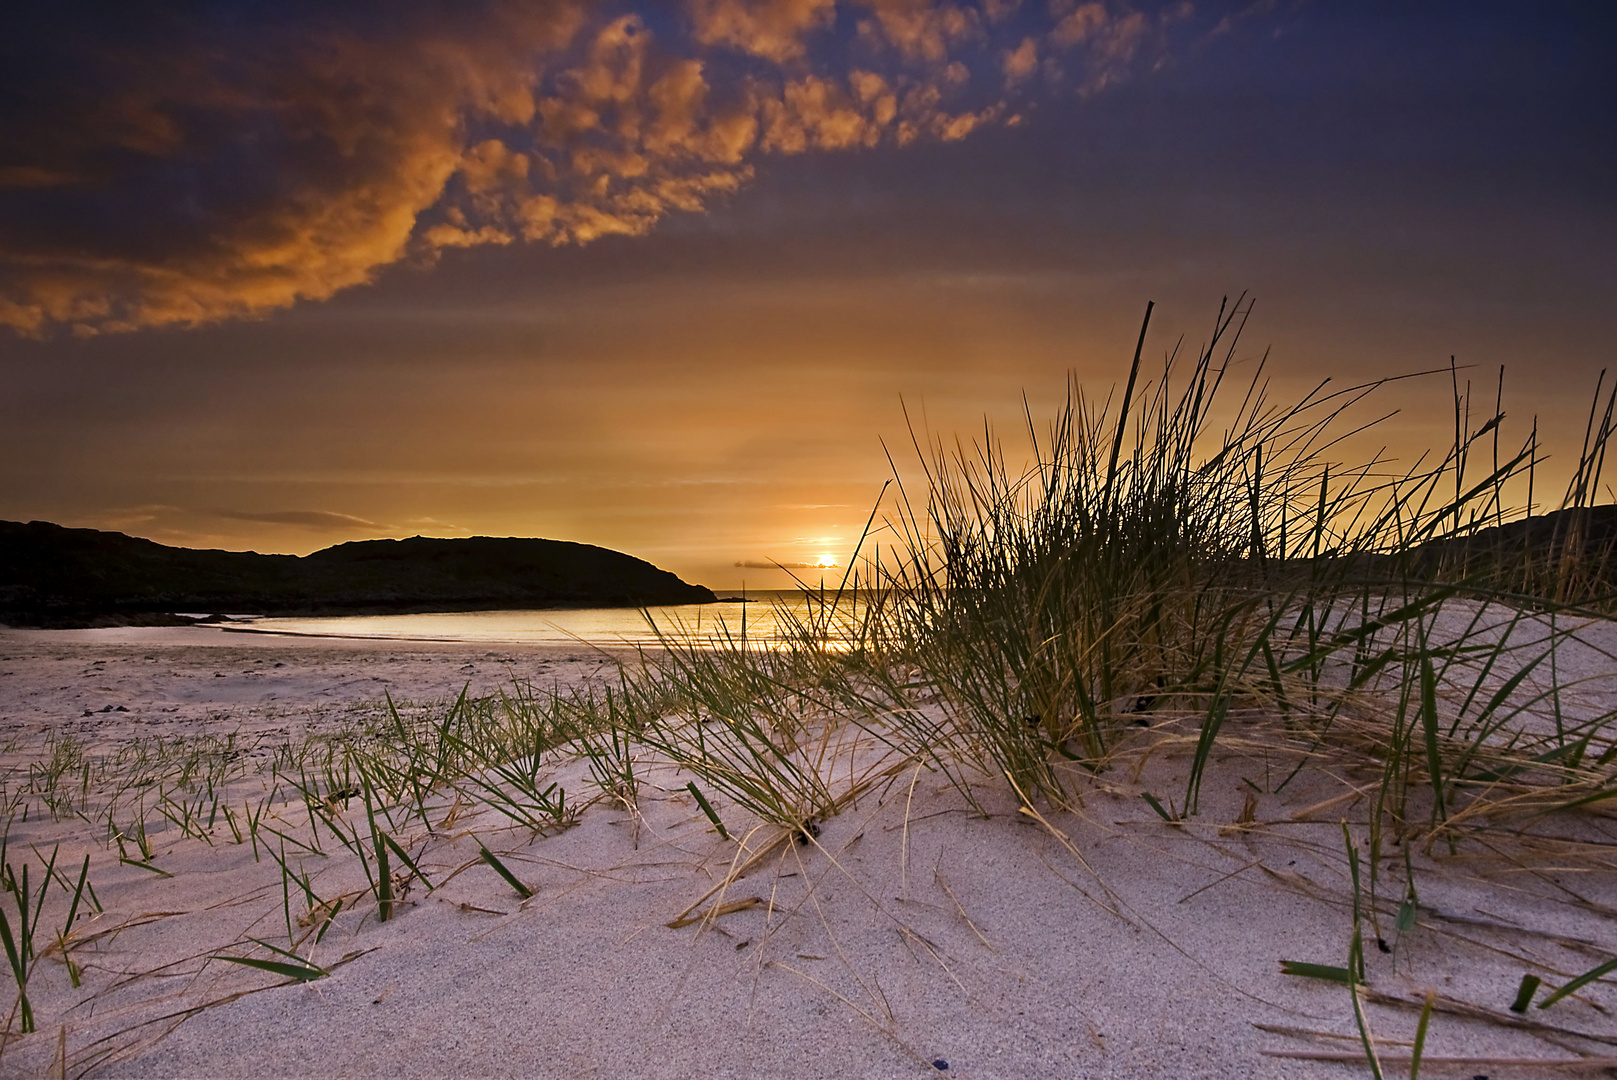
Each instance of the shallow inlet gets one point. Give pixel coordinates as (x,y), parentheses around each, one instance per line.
(770,618)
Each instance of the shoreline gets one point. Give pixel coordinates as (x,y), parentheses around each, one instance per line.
(187,681)
(202,636)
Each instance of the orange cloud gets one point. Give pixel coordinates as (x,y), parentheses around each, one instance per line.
(1110,40)
(772,29)
(1078,23)
(921,29)
(178,181)
(815,113)
(1021,61)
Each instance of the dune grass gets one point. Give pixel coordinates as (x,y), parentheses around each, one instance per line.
(1153,568)
(1201,568)
(1186,563)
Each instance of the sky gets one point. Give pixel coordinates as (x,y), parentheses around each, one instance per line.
(676,278)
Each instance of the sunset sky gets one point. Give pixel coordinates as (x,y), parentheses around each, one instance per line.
(664,276)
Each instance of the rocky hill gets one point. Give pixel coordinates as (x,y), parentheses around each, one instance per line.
(55,576)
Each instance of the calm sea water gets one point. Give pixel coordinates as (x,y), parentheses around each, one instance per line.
(766,621)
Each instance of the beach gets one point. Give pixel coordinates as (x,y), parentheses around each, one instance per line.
(776,540)
(909,937)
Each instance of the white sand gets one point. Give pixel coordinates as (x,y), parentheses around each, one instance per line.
(911,933)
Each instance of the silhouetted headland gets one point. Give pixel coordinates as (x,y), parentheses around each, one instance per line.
(52,576)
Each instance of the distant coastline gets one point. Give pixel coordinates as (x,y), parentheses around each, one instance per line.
(57,577)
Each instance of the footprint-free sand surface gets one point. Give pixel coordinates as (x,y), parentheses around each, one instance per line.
(910,938)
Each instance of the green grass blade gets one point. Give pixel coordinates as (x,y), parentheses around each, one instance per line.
(1356,961)
(1580,982)
(78,894)
(301,972)
(331,918)
(500,868)
(404,857)
(1524,993)
(384,873)
(1420,1035)
(146,866)
(1162,811)
(1327,972)
(701,801)
(1428,716)
(284,952)
(19,971)
(39,902)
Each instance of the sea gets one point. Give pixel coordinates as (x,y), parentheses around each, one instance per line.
(764,619)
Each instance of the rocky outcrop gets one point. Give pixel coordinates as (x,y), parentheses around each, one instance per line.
(55,576)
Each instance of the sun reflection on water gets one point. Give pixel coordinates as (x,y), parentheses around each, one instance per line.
(771,618)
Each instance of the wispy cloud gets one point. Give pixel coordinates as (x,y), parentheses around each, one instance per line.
(134,517)
(308,519)
(192,168)
(433,525)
